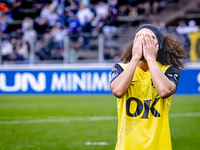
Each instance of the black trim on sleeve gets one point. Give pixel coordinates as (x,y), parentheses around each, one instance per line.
(116,71)
(173,74)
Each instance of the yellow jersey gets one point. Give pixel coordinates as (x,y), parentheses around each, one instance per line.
(142,115)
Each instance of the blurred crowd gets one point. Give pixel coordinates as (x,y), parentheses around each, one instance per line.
(79,19)
(183,31)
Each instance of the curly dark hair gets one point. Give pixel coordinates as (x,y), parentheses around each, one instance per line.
(172,52)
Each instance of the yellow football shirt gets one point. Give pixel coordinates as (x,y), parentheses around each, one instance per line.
(142,115)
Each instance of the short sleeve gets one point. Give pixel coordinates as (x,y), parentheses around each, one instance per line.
(173,74)
(116,71)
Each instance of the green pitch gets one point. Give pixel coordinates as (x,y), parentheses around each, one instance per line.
(83,122)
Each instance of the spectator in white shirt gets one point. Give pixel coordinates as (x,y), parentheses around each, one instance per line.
(29,36)
(52,18)
(6,49)
(84,14)
(27,23)
(192,26)
(45,12)
(182,28)
(182,32)
(102,11)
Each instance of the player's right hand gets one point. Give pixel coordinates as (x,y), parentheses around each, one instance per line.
(137,46)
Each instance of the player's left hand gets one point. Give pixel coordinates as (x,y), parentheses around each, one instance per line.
(150,47)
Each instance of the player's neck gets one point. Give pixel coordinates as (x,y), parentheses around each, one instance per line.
(143,65)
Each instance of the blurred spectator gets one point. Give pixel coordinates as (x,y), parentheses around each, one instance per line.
(151,6)
(84,14)
(162,27)
(3,23)
(102,11)
(133,8)
(60,7)
(122,7)
(57,43)
(40,25)
(16,7)
(74,33)
(74,28)
(6,49)
(4,20)
(112,3)
(45,12)
(27,23)
(11,50)
(30,36)
(41,21)
(43,49)
(109,53)
(110,27)
(182,32)
(86,3)
(113,10)
(62,10)
(52,18)
(67,16)
(19,33)
(22,50)
(192,26)
(72,55)
(53,4)
(182,28)
(40,3)
(74,7)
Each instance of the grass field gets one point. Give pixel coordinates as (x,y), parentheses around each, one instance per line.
(83,122)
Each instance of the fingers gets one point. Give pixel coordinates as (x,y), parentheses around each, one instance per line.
(136,38)
(149,40)
(141,39)
(137,46)
(157,47)
(145,39)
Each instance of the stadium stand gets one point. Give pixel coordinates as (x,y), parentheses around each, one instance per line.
(56,31)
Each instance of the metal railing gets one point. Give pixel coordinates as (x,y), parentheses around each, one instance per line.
(68,50)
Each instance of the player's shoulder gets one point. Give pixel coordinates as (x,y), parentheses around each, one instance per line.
(117,69)
(171,68)
(120,65)
(165,68)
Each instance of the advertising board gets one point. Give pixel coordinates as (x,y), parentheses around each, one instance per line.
(76,81)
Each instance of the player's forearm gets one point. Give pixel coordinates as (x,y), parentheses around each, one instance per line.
(162,84)
(120,85)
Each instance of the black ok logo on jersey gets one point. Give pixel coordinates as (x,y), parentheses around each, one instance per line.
(140,106)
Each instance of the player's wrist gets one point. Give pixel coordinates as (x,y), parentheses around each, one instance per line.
(150,60)
(134,61)
(136,58)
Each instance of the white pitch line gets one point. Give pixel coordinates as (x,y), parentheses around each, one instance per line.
(75,119)
(195,114)
(96,143)
(64,119)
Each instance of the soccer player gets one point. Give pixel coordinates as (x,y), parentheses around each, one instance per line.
(143,85)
